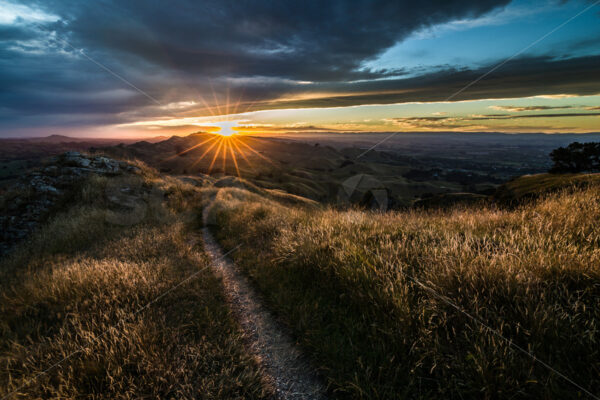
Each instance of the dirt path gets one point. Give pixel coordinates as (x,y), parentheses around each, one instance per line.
(289,372)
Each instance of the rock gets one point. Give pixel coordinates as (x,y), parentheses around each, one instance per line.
(191,180)
(105,165)
(37,193)
(83,162)
(52,170)
(46,189)
(76,159)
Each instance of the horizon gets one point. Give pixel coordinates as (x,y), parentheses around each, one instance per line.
(121,71)
(295,135)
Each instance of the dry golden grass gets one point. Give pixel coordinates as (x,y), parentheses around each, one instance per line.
(76,290)
(339,278)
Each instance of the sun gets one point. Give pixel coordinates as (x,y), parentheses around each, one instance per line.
(226,128)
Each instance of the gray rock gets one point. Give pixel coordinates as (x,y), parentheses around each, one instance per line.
(105,165)
(83,162)
(44,187)
(52,170)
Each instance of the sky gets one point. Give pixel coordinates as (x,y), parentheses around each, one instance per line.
(139,68)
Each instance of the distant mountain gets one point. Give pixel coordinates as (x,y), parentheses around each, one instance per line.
(55,139)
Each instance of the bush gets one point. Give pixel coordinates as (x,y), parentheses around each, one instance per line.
(576,157)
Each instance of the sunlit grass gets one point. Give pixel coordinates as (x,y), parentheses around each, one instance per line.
(77,287)
(338,279)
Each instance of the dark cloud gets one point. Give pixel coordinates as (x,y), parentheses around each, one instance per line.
(256,50)
(173,50)
(490,117)
(527,76)
(308,40)
(561,115)
(418,119)
(530,108)
(287,128)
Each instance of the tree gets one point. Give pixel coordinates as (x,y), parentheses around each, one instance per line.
(576,157)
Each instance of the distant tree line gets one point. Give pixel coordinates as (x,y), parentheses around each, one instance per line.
(576,157)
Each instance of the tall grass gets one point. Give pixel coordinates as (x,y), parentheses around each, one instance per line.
(77,288)
(339,279)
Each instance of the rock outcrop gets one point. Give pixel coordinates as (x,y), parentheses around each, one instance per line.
(28,202)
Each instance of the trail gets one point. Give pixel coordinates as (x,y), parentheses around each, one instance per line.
(287,369)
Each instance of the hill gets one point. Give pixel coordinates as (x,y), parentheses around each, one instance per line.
(400,304)
(309,170)
(411,304)
(529,187)
(17,156)
(88,306)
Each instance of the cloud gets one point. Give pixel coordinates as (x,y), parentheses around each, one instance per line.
(309,40)
(529,108)
(440,123)
(527,76)
(475,122)
(563,115)
(258,54)
(259,49)
(264,128)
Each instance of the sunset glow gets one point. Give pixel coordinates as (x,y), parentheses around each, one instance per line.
(406,74)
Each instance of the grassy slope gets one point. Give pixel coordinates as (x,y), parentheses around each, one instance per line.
(532,186)
(305,170)
(80,276)
(336,277)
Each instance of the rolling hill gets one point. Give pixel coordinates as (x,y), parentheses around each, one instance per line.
(403,304)
(309,170)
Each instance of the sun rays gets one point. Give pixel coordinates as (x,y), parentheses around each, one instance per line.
(217,148)
(222,153)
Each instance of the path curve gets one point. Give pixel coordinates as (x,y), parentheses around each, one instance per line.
(288,370)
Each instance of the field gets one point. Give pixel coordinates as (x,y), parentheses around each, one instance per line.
(73,305)
(463,298)
(371,297)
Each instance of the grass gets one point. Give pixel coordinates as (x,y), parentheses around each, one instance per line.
(339,280)
(532,186)
(75,290)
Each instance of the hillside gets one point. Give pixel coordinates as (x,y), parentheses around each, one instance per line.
(89,307)
(17,156)
(410,304)
(116,293)
(530,187)
(310,170)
